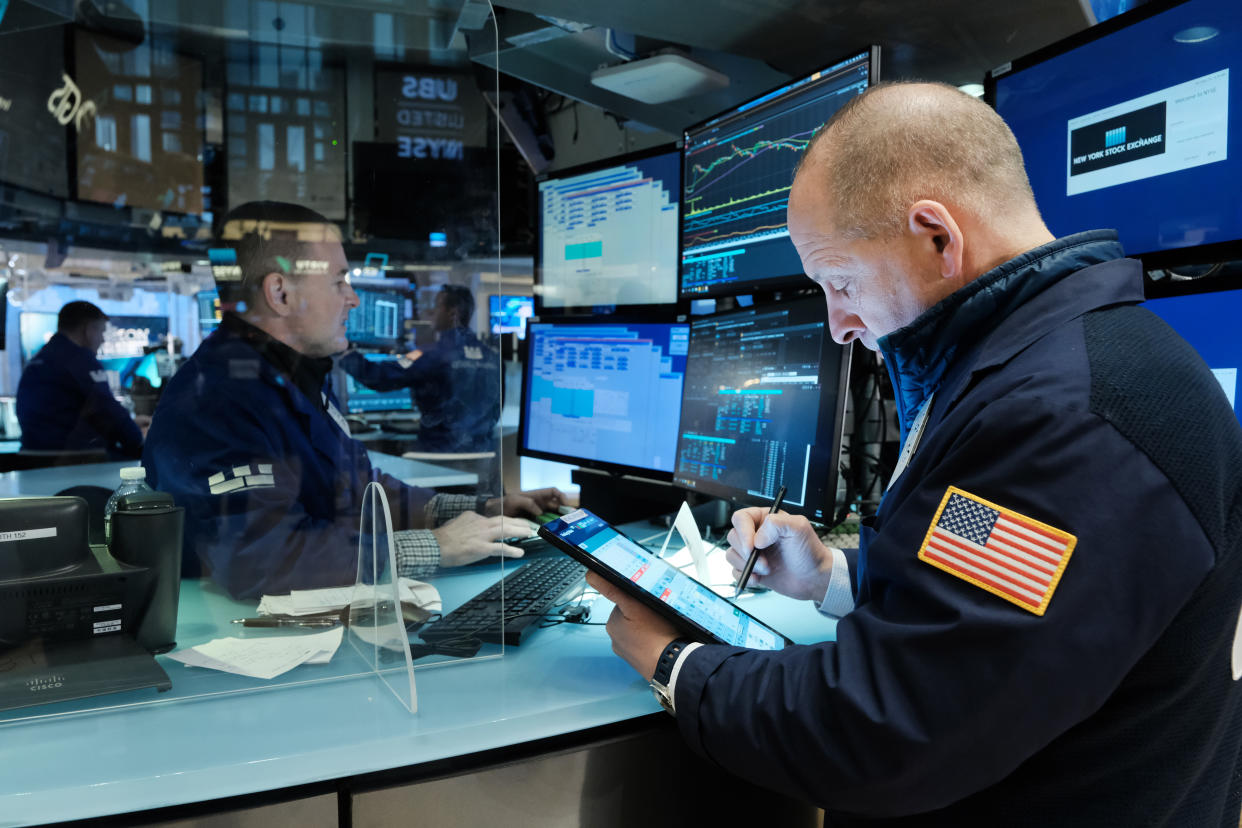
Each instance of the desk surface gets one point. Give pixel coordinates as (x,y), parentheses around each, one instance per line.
(49,481)
(562,680)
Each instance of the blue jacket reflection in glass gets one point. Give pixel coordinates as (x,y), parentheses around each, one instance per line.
(942,704)
(455,385)
(271,484)
(64,403)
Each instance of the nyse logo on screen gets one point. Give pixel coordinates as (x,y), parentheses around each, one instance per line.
(429,89)
(1118,140)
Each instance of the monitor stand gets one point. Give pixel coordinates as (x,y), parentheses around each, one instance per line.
(623,499)
(40,672)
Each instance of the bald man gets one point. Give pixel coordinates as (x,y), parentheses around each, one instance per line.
(1042,624)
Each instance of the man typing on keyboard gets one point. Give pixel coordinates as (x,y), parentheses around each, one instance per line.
(249,439)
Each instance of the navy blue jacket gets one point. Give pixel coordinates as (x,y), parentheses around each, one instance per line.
(942,704)
(64,404)
(455,385)
(271,484)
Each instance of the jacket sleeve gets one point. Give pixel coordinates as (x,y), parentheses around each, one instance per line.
(245,518)
(384,376)
(934,688)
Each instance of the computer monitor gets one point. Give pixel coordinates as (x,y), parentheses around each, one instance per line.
(379,319)
(362,400)
(35,329)
(608,234)
(208,310)
(1135,124)
(736,172)
(126,340)
(1209,322)
(509,314)
(763,407)
(605,395)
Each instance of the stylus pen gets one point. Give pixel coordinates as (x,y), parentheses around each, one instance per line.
(754,552)
(319,623)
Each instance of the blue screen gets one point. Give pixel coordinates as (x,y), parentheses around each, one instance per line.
(605,393)
(378,320)
(1138,130)
(509,314)
(609,237)
(362,400)
(1209,322)
(736,173)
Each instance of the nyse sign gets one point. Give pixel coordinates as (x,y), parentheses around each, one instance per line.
(429,114)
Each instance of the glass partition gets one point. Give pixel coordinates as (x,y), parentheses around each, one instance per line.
(262,243)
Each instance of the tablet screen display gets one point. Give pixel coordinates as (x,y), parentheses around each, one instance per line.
(684,594)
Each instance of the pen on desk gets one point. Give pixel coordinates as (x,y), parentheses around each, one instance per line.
(754,552)
(319,623)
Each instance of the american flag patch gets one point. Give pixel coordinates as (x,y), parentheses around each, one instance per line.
(997,549)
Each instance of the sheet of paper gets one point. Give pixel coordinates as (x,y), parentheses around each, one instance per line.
(685,526)
(263,658)
(313,601)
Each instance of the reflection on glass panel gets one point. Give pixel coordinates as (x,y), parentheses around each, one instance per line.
(105,132)
(142,93)
(267,146)
(295,148)
(140,137)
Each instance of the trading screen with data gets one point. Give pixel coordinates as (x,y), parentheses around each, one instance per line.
(737,169)
(378,320)
(608,234)
(604,395)
(763,407)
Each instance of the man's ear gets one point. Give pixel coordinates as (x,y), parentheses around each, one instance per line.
(938,234)
(275,291)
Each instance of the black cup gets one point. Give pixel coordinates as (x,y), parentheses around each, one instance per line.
(148,534)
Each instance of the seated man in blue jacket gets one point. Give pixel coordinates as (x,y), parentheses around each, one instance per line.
(249,439)
(64,402)
(454,384)
(1041,626)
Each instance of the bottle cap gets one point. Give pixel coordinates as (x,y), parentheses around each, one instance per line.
(133,473)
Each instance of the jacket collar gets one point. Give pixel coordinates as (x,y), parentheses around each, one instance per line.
(306,373)
(919,354)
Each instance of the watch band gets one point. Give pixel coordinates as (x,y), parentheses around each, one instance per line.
(668,658)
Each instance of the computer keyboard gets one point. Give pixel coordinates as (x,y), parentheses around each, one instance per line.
(530,593)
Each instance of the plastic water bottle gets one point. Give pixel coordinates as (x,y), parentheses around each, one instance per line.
(133,481)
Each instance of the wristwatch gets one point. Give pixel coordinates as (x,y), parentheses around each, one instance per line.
(664,673)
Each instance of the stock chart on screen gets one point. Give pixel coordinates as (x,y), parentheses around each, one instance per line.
(736,176)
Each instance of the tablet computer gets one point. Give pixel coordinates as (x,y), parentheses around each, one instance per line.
(689,604)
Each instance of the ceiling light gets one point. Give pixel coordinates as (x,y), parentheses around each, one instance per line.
(975,89)
(1196,34)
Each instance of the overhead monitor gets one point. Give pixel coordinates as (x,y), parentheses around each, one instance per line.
(1136,124)
(736,173)
(763,407)
(379,319)
(608,234)
(604,394)
(1209,322)
(509,314)
(362,400)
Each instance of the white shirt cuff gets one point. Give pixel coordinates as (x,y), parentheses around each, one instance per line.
(672,677)
(839,598)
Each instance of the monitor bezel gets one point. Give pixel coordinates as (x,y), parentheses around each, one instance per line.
(1174,257)
(619,469)
(836,426)
(775,283)
(549,312)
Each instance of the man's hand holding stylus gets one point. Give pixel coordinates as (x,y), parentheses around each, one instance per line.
(793,562)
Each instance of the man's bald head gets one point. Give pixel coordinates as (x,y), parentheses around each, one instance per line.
(898,143)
